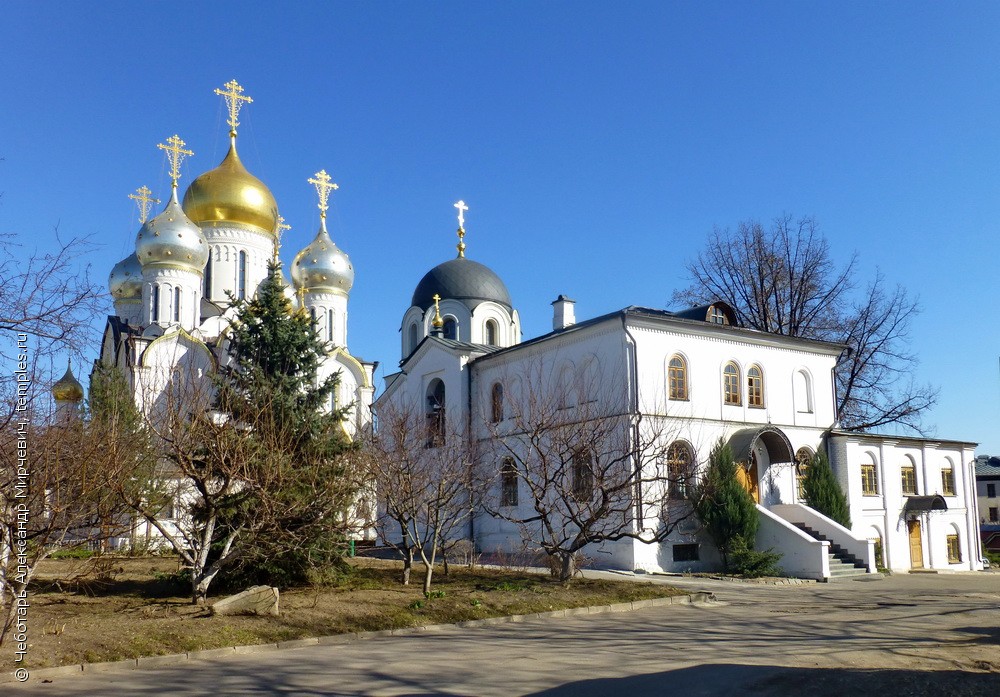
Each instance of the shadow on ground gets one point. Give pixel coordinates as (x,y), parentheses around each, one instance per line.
(724,679)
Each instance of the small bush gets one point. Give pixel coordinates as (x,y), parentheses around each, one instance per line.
(73,553)
(751,563)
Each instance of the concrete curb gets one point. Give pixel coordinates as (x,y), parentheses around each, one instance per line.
(696,598)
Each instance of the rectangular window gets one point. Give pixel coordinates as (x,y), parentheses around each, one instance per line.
(583,476)
(908,475)
(954,550)
(508,483)
(991,490)
(869,480)
(685,552)
(948,481)
(994,514)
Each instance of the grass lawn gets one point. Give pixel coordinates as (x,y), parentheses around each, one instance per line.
(132,611)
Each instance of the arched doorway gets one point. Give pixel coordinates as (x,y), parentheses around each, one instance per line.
(757,449)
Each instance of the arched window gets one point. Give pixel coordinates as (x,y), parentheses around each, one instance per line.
(435,413)
(413,338)
(241,276)
(329,325)
(869,477)
(954,543)
(177,304)
(731,385)
(450,328)
(716,315)
(948,478)
(492,332)
(802,392)
(677,378)
(496,403)
(679,469)
(908,476)
(208,277)
(312,314)
(156,303)
(508,482)
(755,387)
(803,458)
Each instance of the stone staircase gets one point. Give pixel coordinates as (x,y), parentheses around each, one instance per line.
(842,563)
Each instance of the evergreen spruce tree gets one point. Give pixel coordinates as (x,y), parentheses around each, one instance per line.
(724,506)
(823,492)
(271,390)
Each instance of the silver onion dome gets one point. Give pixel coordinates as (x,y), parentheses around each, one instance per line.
(171,239)
(323,266)
(125,281)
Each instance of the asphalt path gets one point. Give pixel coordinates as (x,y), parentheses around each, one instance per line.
(902,635)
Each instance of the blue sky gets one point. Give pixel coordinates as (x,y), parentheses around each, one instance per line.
(596,144)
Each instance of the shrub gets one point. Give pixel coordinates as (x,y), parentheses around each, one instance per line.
(823,492)
(724,506)
(752,563)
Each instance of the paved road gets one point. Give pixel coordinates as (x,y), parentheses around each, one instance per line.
(904,635)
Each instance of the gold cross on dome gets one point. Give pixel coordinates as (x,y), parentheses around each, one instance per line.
(437,321)
(144,201)
(175,154)
(321,180)
(234,97)
(279,230)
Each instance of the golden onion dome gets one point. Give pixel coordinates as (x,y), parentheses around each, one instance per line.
(230,194)
(323,266)
(125,280)
(68,388)
(172,239)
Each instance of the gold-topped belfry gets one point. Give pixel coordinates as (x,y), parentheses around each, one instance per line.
(321,180)
(144,201)
(461,228)
(233,94)
(175,154)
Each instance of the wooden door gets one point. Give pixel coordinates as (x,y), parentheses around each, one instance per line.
(747,474)
(916,544)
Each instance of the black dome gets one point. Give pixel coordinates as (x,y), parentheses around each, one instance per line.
(461,279)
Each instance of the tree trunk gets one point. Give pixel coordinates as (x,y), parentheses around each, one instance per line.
(428,572)
(444,560)
(567,567)
(407,565)
(199,586)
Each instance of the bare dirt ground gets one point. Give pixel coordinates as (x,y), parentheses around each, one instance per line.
(90,612)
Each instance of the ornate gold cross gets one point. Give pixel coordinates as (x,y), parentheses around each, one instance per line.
(144,201)
(321,180)
(461,227)
(175,154)
(234,97)
(279,230)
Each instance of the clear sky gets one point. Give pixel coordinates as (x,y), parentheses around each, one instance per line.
(596,144)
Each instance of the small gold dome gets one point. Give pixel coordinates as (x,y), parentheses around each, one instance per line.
(229,193)
(68,388)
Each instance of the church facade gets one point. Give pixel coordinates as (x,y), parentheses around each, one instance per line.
(174,296)
(695,378)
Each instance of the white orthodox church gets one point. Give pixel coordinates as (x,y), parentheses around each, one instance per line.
(696,374)
(697,377)
(173,295)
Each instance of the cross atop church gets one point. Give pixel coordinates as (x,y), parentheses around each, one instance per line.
(461,213)
(144,201)
(175,154)
(279,230)
(321,180)
(437,322)
(234,97)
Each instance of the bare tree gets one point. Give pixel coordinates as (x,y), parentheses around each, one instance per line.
(52,496)
(593,471)
(422,477)
(49,296)
(784,280)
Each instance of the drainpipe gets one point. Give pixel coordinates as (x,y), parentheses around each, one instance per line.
(633,409)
